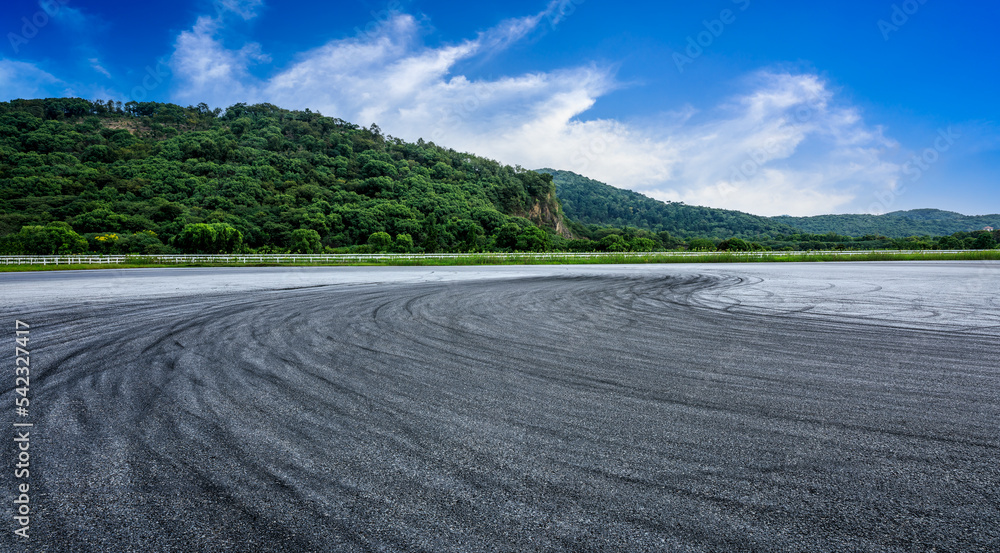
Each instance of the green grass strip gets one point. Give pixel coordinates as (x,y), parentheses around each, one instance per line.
(554,259)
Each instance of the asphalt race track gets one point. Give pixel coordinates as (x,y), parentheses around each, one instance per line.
(759,407)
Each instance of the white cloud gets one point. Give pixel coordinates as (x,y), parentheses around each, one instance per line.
(208,71)
(19,79)
(72,17)
(96,64)
(783,145)
(247,9)
(22,80)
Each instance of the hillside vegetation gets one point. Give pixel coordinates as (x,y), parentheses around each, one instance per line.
(599,209)
(149,177)
(591,202)
(916,222)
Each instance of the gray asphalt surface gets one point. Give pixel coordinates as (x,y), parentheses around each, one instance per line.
(772,407)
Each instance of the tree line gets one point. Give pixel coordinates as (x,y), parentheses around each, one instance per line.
(151,178)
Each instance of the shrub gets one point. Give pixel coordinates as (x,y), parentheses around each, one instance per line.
(379,241)
(205,238)
(52,239)
(701,245)
(305,241)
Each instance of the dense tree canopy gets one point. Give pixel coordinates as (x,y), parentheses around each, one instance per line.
(213,238)
(898,224)
(598,211)
(159,177)
(51,239)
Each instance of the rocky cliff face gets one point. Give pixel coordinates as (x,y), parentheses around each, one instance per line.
(547,212)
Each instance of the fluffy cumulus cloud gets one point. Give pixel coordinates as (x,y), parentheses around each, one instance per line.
(209,72)
(783,145)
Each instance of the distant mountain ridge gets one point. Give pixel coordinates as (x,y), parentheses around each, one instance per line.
(589,201)
(897,224)
(592,202)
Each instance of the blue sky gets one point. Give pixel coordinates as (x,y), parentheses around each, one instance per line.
(771,107)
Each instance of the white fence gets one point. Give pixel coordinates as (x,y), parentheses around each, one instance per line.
(336,259)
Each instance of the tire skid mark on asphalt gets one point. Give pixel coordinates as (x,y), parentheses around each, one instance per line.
(531,414)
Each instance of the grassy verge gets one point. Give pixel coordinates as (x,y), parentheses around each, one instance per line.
(707,257)
(556,259)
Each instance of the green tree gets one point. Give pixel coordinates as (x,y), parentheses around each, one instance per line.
(380,241)
(403,243)
(949,243)
(52,239)
(205,238)
(105,243)
(701,245)
(734,245)
(613,243)
(534,239)
(100,220)
(506,237)
(984,241)
(145,241)
(641,244)
(467,233)
(305,241)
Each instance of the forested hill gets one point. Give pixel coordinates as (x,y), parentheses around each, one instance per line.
(591,202)
(150,177)
(917,222)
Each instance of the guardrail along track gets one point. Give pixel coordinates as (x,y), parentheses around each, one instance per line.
(335,259)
